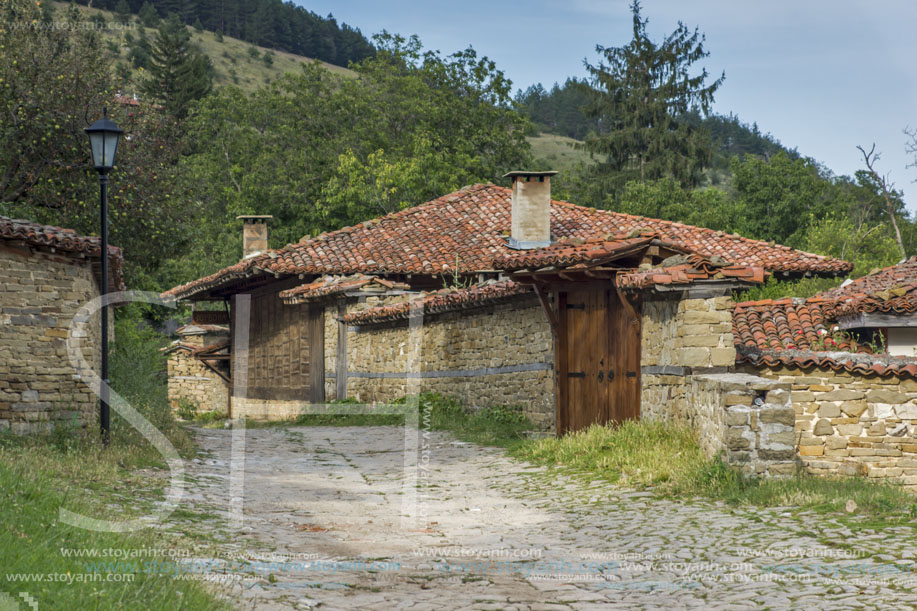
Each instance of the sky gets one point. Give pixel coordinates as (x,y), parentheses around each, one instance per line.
(820,75)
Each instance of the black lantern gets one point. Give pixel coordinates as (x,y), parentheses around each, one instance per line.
(103,138)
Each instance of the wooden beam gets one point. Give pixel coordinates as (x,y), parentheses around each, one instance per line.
(340,380)
(548,310)
(211,367)
(628,307)
(868,320)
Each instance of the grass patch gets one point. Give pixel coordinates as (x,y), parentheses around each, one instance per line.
(668,459)
(71,469)
(496,426)
(37,478)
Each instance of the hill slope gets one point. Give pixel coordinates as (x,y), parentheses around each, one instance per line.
(235,62)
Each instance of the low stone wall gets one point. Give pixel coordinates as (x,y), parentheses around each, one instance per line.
(39,295)
(747,419)
(495,355)
(849,424)
(190,380)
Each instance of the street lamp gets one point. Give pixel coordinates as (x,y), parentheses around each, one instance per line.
(103,138)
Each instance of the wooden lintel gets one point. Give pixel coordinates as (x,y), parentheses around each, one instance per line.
(877,320)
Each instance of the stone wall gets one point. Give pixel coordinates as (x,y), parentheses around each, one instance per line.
(39,388)
(687,348)
(746,419)
(851,424)
(679,337)
(190,380)
(495,355)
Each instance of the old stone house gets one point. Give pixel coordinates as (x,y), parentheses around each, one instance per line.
(503,296)
(47,275)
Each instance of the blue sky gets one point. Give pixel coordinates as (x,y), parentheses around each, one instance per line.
(820,75)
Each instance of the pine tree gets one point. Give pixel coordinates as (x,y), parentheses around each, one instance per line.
(639,93)
(148,15)
(122,11)
(179,71)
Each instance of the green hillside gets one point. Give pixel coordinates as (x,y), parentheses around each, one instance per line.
(235,62)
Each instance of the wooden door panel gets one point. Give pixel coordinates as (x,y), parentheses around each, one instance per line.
(598,360)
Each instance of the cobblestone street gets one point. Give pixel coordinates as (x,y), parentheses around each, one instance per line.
(331,522)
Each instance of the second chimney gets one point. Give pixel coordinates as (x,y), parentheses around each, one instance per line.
(531,211)
(254,234)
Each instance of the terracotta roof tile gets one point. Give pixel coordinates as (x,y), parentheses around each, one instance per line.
(445,300)
(472,225)
(801,333)
(892,290)
(687,269)
(63,240)
(329,286)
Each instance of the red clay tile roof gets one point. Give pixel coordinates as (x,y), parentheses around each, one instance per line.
(472,225)
(445,300)
(687,269)
(892,290)
(864,364)
(786,324)
(63,240)
(571,251)
(329,286)
(800,333)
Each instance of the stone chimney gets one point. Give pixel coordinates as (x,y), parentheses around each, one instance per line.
(531,213)
(254,234)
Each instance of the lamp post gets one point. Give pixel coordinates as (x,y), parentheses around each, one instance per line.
(103,138)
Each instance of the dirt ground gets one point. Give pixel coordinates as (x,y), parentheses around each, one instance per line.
(331,518)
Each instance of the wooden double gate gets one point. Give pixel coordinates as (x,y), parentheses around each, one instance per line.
(597,359)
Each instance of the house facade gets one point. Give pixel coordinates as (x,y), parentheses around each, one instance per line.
(503,296)
(47,275)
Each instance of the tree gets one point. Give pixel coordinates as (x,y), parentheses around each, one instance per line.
(179,72)
(42,144)
(149,18)
(638,93)
(123,11)
(340,150)
(45,166)
(891,197)
(779,196)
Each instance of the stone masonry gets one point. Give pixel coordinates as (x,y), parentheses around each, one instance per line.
(850,424)
(189,379)
(500,354)
(39,388)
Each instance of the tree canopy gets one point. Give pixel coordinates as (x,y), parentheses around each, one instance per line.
(639,93)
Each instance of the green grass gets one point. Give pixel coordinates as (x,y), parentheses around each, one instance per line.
(232,62)
(37,478)
(71,469)
(666,458)
(497,426)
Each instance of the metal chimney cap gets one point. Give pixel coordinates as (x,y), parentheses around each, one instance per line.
(517,173)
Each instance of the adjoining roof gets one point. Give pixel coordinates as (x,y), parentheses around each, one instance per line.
(444,300)
(892,290)
(787,324)
(330,286)
(688,269)
(470,228)
(67,241)
(801,333)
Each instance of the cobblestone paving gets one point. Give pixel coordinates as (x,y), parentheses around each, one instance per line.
(326,525)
